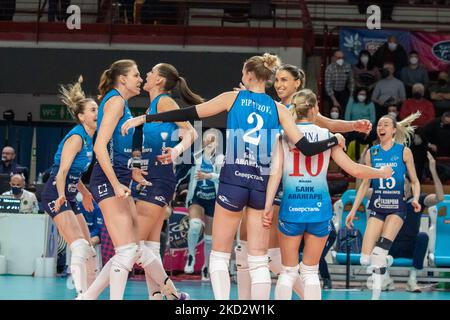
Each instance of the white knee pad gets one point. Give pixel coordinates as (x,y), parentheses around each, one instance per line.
(146,256)
(310,278)
(155,247)
(241,256)
(364,260)
(275,265)
(126,256)
(288,276)
(259,269)
(81,251)
(219,261)
(379,260)
(195,226)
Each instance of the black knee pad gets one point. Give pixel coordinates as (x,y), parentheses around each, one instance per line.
(384,243)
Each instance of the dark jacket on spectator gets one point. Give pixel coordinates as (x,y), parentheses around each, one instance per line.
(398,57)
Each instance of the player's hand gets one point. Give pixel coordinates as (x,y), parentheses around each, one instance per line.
(341,140)
(138,176)
(267,217)
(88,202)
(200,175)
(132,123)
(59,202)
(416,205)
(122,191)
(431,161)
(433,147)
(169,155)
(386,172)
(363,125)
(349,220)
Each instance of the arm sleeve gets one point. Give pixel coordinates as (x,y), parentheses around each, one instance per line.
(178,115)
(313,148)
(138,138)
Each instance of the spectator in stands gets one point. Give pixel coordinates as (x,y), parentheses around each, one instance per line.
(414,73)
(339,81)
(365,73)
(127,10)
(360,107)
(7,9)
(389,89)
(410,243)
(418,103)
(436,137)
(28,201)
(57,10)
(335,113)
(393,111)
(8,164)
(440,93)
(391,51)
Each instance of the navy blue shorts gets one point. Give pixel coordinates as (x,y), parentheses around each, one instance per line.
(159,193)
(50,194)
(292,229)
(382,216)
(235,198)
(207,205)
(100,186)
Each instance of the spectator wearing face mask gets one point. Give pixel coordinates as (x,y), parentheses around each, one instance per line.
(392,110)
(413,73)
(335,113)
(440,93)
(418,103)
(365,73)
(28,201)
(339,81)
(389,89)
(391,51)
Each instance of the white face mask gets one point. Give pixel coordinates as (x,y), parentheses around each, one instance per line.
(361,98)
(79,197)
(365,60)
(334,115)
(413,60)
(393,114)
(340,62)
(392,46)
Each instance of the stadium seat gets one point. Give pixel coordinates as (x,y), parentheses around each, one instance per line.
(341,209)
(439,248)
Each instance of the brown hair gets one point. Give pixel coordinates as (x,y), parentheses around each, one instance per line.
(295,72)
(302,101)
(173,79)
(72,95)
(109,76)
(405,129)
(263,66)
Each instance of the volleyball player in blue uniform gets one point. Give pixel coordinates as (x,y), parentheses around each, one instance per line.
(72,159)
(160,148)
(201,197)
(387,205)
(253,121)
(288,80)
(305,211)
(111,176)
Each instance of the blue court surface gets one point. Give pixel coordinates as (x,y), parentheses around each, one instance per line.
(30,288)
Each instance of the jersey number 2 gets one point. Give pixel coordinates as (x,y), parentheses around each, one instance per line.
(259,125)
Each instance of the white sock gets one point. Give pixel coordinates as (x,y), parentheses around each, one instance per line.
(413,275)
(152,285)
(286,279)
(100,283)
(244,282)
(195,229)
(207,248)
(275,265)
(260,277)
(218,271)
(310,278)
(80,254)
(91,265)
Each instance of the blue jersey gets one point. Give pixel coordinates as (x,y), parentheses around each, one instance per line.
(119,147)
(156,136)
(387,196)
(82,159)
(252,126)
(306,198)
(206,189)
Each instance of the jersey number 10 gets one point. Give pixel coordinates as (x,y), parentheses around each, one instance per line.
(297,156)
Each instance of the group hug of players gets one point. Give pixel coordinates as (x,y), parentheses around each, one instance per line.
(271,182)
